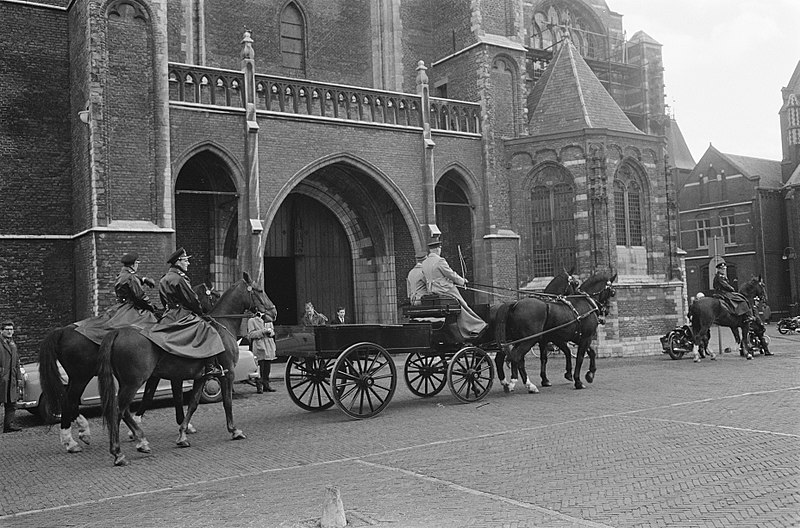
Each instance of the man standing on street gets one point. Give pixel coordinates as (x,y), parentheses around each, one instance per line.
(10,376)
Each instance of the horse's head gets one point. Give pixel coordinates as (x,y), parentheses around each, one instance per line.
(755,289)
(600,287)
(246,297)
(564,283)
(207,295)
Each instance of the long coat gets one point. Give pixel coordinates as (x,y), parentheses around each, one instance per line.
(736,302)
(182,331)
(133,308)
(9,371)
(441,279)
(415,284)
(259,333)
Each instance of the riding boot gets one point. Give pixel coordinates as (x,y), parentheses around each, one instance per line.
(212,369)
(268,388)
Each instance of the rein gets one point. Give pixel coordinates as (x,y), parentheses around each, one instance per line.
(596,308)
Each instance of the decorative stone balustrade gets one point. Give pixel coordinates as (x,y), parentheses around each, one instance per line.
(210,86)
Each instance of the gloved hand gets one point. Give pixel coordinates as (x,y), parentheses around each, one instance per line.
(148,282)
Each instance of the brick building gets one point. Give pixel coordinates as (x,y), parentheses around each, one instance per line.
(318,149)
(750,206)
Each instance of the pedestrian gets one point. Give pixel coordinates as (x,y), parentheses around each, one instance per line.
(341,316)
(261,334)
(10,376)
(311,317)
(441,279)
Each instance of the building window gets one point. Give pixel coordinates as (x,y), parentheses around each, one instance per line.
(292,38)
(728,228)
(703,227)
(628,208)
(552,207)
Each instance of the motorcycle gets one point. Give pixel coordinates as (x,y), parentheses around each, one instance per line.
(789,324)
(678,342)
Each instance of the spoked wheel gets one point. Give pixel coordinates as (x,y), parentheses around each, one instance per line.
(470,374)
(783,327)
(363,380)
(425,375)
(308,382)
(678,347)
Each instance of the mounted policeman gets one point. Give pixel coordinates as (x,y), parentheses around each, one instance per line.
(184,329)
(734,301)
(133,305)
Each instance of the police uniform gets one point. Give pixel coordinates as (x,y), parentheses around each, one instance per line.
(182,331)
(736,302)
(133,306)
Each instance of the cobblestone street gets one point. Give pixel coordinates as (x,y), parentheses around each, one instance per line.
(652,442)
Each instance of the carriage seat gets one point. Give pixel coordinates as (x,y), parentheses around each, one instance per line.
(433,305)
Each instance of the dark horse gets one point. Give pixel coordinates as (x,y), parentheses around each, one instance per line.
(563,284)
(573,319)
(79,356)
(131,358)
(709,310)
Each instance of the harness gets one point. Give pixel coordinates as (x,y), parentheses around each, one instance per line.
(505,309)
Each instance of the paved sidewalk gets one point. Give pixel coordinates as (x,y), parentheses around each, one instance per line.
(652,442)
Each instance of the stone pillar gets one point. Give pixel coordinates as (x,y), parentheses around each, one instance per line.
(599,219)
(252,250)
(428,174)
(502,250)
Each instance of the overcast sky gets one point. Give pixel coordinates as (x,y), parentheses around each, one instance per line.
(725,63)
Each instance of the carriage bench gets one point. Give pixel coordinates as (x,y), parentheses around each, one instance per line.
(433,305)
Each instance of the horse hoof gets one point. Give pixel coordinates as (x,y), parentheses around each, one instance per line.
(749,356)
(768,353)
(130,436)
(183,443)
(578,385)
(590,377)
(238,435)
(533,390)
(144,449)
(506,389)
(85,438)
(74,449)
(568,376)
(546,383)
(121,461)
(190,429)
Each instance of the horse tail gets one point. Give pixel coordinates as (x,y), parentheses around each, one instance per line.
(105,378)
(53,391)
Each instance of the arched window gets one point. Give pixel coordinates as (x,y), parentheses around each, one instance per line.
(628,199)
(552,222)
(293,38)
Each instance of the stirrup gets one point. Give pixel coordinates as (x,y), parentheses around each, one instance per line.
(212,371)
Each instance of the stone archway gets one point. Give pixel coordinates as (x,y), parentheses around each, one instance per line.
(454,218)
(207,219)
(339,220)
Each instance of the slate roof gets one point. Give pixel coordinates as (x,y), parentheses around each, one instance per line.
(680,155)
(569,97)
(794,179)
(767,171)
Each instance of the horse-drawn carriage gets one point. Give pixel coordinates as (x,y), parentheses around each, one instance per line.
(352,365)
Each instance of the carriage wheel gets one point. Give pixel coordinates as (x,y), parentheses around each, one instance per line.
(470,374)
(425,375)
(363,380)
(307,381)
(677,347)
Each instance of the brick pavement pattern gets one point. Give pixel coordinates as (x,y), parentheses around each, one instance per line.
(653,442)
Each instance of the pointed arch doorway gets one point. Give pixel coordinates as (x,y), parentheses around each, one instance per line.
(207,219)
(307,257)
(454,218)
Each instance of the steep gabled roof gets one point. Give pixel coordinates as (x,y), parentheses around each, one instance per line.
(641,36)
(794,179)
(767,171)
(680,155)
(570,97)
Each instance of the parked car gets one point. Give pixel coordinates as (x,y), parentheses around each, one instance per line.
(31,389)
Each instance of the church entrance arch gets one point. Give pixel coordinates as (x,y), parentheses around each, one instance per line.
(454,219)
(338,238)
(206,219)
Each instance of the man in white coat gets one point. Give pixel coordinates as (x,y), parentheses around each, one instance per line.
(441,279)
